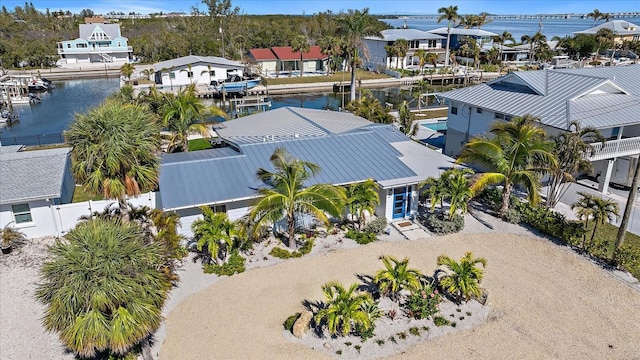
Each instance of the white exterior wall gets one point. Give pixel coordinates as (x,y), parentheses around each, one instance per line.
(268,66)
(181,78)
(466,120)
(235,211)
(377,53)
(385,208)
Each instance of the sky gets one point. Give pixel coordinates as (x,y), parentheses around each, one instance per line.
(308,7)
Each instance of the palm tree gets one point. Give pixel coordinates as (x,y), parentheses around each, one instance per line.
(300,44)
(370,108)
(361,197)
(147,73)
(114,150)
(286,195)
(605,38)
(459,190)
(596,15)
(406,120)
(584,210)
(328,48)
(344,311)
(9,234)
(603,210)
(126,70)
(391,52)
(517,154)
(401,47)
(432,59)
(208,72)
(103,289)
(421,54)
(622,229)
(463,278)
(165,227)
(436,191)
(168,71)
(355,25)
(526,39)
(396,276)
(451,15)
(212,231)
(606,17)
(502,38)
(184,113)
(571,147)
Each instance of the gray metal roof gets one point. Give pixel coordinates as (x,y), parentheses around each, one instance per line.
(462,31)
(408,34)
(193,59)
(545,94)
(112,30)
(8,149)
(372,151)
(32,175)
(286,123)
(619,27)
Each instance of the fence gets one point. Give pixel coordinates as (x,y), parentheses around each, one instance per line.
(34,140)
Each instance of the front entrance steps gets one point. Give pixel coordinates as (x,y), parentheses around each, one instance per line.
(410,230)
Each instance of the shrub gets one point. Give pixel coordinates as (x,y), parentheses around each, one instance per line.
(380,342)
(437,223)
(361,238)
(376,226)
(440,321)
(288,324)
(365,333)
(424,302)
(235,265)
(629,257)
(402,335)
(490,196)
(286,254)
(393,339)
(348,343)
(512,216)
(550,222)
(415,331)
(338,352)
(358,347)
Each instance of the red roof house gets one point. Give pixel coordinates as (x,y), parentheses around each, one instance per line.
(262,54)
(284,53)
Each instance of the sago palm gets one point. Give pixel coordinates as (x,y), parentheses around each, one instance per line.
(103,289)
(212,231)
(288,195)
(185,113)
(344,309)
(396,276)
(114,150)
(361,197)
(462,279)
(517,154)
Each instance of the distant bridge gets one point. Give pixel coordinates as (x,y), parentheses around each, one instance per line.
(616,15)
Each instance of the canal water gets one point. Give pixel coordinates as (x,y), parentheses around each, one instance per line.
(44,122)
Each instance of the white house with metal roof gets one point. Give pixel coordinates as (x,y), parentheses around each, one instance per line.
(483,38)
(607,98)
(348,149)
(417,40)
(194,69)
(32,184)
(622,30)
(98,42)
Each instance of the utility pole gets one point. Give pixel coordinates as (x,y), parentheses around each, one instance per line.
(627,210)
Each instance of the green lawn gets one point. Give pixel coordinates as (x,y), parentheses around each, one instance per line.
(199,144)
(605,239)
(337,77)
(81,195)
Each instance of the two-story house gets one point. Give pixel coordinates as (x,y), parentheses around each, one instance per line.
(417,39)
(98,42)
(606,98)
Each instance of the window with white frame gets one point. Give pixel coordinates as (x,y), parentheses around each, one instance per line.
(21,213)
(219,208)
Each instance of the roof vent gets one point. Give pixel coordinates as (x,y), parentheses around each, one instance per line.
(296,135)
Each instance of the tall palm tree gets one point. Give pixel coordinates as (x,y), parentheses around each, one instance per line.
(571,147)
(286,195)
(208,72)
(103,289)
(459,189)
(114,150)
(344,310)
(463,278)
(300,44)
(502,38)
(401,47)
(212,231)
(451,15)
(361,197)
(603,210)
(406,120)
(396,276)
(354,26)
(432,59)
(596,15)
(584,210)
(329,48)
(517,154)
(184,113)
(391,52)
(526,39)
(436,191)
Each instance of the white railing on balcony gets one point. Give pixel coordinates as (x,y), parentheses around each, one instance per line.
(95,50)
(615,148)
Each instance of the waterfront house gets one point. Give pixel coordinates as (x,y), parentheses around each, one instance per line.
(195,70)
(458,36)
(607,98)
(622,30)
(99,42)
(417,39)
(347,148)
(32,184)
(280,59)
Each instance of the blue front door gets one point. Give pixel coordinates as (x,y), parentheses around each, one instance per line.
(399,202)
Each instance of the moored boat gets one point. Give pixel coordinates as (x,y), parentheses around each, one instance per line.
(234,84)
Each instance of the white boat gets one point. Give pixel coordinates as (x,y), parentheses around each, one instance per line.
(6,117)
